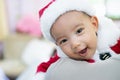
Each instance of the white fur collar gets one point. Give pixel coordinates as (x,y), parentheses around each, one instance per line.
(108,34)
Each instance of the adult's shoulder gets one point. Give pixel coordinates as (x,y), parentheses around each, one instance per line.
(68,69)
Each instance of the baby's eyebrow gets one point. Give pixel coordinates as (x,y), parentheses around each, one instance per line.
(57,39)
(77,25)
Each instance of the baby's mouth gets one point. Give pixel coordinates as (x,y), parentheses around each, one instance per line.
(83,52)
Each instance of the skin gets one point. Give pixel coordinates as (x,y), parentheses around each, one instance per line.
(75,33)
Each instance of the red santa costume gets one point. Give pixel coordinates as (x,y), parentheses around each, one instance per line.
(108,32)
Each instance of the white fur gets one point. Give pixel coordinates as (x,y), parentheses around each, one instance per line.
(39,76)
(108,33)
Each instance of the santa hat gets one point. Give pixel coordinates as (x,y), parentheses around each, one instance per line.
(54,9)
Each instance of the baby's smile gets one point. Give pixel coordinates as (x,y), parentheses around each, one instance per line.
(83,52)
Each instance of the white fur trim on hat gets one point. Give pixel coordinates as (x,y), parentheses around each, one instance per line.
(58,8)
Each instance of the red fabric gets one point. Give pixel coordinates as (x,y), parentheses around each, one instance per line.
(116,48)
(44,66)
(43,9)
(90,60)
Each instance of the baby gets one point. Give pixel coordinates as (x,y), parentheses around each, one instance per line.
(78,32)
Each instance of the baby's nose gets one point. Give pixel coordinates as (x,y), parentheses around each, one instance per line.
(75,42)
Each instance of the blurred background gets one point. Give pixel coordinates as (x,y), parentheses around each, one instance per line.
(22,46)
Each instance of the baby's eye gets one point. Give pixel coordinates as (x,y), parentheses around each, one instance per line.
(79,30)
(63,41)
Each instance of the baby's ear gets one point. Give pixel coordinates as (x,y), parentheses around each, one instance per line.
(94,21)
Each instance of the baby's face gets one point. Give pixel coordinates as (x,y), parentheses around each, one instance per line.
(75,33)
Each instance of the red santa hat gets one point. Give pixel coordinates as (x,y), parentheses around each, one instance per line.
(54,9)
